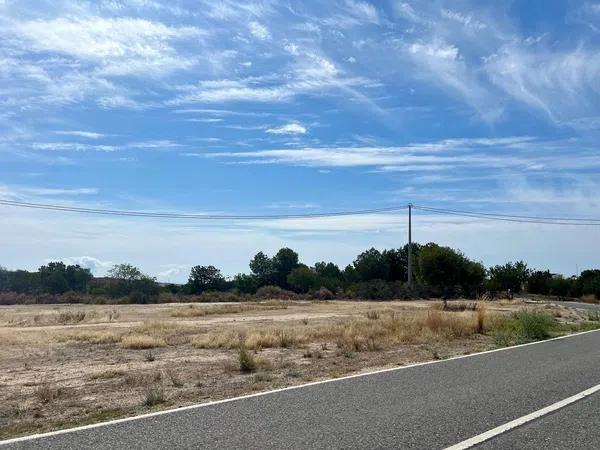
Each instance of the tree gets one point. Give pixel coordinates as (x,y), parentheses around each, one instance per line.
(590,282)
(371,265)
(205,278)
(539,282)
(560,286)
(245,283)
(511,276)
(262,269)
(22,281)
(396,264)
(4,279)
(329,276)
(284,261)
(53,279)
(78,278)
(440,266)
(472,276)
(130,281)
(302,279)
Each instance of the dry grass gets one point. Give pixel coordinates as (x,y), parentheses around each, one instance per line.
(378,331)
(46,393)
(201,311)
(91,337)
(142,342)
(140,356)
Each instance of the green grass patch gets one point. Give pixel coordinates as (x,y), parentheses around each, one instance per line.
(526,326)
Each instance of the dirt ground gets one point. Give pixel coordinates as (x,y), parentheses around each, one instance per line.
(67,365)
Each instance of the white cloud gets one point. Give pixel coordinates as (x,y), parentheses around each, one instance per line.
(363,10)
(259,31)
(97,266)
(289,128)
(119,45)
(437,50)
(83,134)
(564,85)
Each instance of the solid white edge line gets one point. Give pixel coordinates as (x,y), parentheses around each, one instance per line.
(522,420)
(289,388)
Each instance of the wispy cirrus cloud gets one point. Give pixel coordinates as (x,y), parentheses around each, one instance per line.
(288,128)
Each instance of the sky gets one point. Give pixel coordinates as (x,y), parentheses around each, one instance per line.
(292,107)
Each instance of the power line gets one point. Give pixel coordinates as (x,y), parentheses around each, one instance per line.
(168,215)
(513,218)
(113,212)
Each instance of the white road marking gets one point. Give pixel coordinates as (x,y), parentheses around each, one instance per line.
(289,388)
(523,420)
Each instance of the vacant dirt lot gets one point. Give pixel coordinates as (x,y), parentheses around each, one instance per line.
(66,365)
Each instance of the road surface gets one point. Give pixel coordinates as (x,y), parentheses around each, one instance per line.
(427,406)
(578,305)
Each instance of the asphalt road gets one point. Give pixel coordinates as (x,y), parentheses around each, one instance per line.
(429,406)
(578,305)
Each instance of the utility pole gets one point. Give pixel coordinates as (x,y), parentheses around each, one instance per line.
(410,272)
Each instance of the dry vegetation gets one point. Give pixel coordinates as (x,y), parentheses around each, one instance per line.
(75,364)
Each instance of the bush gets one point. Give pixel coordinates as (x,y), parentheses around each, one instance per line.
(154,395)
(525,326)
(247,360)
(275,292)
(323,294)
(535,325)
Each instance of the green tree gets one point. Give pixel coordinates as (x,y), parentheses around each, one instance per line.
(53,278)
(560,286)
(302,279)
(329,276)
(396,264)
(511,276)
(539,282)
(245,283)
(284,261)
(22,281)
(4,279)
(262,269)
(129,280)
(589,281)
(78,278)
(371,265)
(440,266)
(205,278)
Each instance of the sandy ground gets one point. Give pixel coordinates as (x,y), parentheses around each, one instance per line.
(66,365)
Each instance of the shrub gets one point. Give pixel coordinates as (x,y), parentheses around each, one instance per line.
(271,292)
(154,395)
(46,393)
(323,294)
(535,325)
(246,360)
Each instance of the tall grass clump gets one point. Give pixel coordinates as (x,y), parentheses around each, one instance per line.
(525,326)
(247,361)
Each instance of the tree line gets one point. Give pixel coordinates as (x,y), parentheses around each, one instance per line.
(438,272)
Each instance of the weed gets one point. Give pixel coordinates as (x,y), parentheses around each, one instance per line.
(262,376)
(154,395)
(480,319)
(246,360)
(175,379)
(594,316)
(45,393)
(535,325)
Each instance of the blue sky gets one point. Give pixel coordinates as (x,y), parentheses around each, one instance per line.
(290,107)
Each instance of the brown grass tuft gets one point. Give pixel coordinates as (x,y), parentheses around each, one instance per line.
(142,342)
